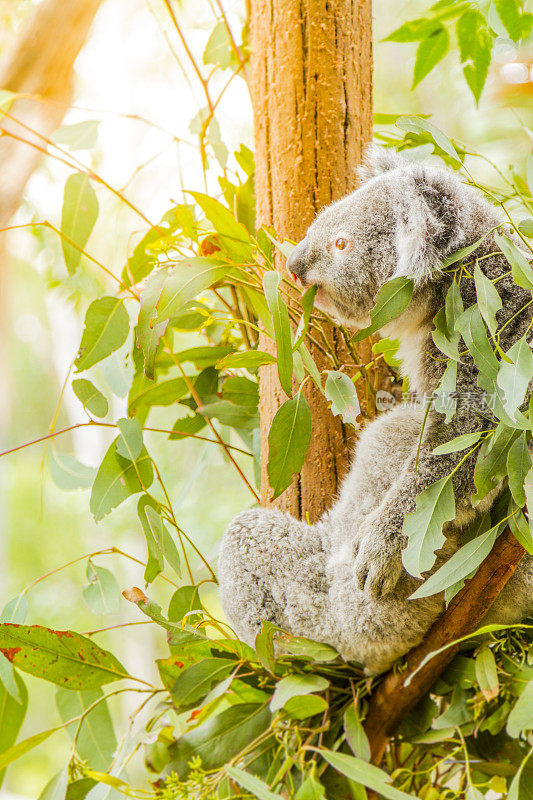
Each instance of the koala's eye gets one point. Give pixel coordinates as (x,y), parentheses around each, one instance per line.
(341,244)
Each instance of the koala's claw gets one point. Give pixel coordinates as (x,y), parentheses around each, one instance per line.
(376,573)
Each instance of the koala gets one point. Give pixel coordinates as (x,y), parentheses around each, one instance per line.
(341,581)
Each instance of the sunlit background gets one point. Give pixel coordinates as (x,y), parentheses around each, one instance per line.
(134,80)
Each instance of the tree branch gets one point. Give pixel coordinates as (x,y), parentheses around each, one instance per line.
(392,699)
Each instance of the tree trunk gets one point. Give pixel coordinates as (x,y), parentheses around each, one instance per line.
(40,64)
(312,98)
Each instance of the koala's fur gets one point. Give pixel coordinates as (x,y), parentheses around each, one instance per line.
(341,581)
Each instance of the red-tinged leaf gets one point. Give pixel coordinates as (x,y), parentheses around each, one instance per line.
(63,657)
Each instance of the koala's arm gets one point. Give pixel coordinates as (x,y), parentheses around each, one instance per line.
(380,538)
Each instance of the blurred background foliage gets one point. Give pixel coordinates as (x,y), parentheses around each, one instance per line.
(134,81)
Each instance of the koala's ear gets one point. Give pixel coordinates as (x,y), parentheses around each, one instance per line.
(378,160)
(430,225)
(417,234)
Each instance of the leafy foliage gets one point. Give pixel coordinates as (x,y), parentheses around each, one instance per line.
(285,718)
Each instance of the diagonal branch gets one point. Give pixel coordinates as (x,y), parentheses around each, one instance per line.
(392,699)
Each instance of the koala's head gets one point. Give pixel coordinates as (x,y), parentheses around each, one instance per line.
(402,220)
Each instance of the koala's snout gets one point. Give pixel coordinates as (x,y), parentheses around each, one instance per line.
(297,261)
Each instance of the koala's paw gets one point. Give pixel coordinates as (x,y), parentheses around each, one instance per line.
(377,566)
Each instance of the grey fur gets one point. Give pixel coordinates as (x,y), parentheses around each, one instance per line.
(341,581)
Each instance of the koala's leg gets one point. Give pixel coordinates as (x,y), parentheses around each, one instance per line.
(272,567)
(378,546)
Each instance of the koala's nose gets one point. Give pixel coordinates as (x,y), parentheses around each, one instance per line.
(297,261)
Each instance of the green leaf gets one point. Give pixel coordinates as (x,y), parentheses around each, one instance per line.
(521,529)
(155,558)
(518,466)
(423,527)
(311,789)
(163,538)
(264,645)
(251,359)
(252,784)
(231,234)
(391,301)
(288,440)
(130,441)
(430,51)
(459,443)
(513,378)
(422,126)
(463,252)
(230,414)
(516,788)
(220,738)
(310,366)
(92,399)
(520,719)
(413,31)
(472,328)
(301,647)
(165,393)
(118,478)
(488,299)
(491,464)
(185,281)
(149,333)
(370,776)
(241,391)
(62,657)
(340,391)
(183,601)
(526,227)
(520,268)
(355,734)
(475,45)
(96,741)
(187,426)
(78,216)
(56,789)
(443,399)
(487,673)
(304,707)
(70,474)
(18,750)
(446,339)
(218,50)
(282,329)
(106,329)
(294,686)
(459,566)
(102,592)
(203,357)
(12,713)
(80,136)
(308,299)
(509,13)
(196,681)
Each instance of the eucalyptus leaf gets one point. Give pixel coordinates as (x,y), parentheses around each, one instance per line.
(282,329)
(93,400)
(106,329)
(288,441)
(423,527)
(78,217)
(63,657)
(391,301)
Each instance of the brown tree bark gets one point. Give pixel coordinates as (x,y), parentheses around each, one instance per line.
(41,65)
(312,99)
(393,699)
